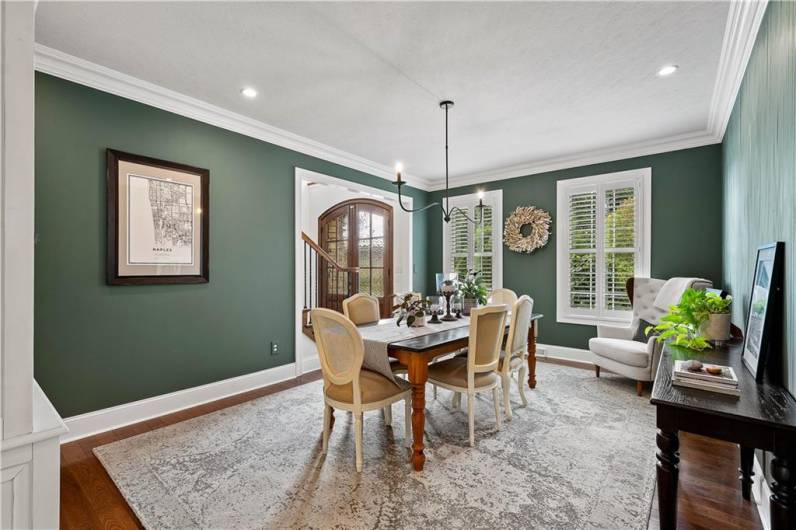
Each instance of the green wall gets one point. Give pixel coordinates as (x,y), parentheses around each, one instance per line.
(97,346)
(686,228)
(760,168)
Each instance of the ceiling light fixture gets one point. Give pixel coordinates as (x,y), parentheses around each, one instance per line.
(447,211)
(248,92)
(667,70)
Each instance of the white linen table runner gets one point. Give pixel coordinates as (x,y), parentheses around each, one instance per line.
(377,337)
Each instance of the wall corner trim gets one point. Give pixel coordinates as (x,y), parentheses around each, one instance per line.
(111,418)
(59,64)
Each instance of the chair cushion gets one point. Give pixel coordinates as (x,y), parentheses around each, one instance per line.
(627,352)
(374,387)
(640,333)
(454,372)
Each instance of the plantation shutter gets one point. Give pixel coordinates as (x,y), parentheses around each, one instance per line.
(600,246)
(620,245)
(474,247)
(583,250)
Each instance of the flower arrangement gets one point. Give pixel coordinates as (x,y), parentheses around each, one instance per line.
(473,288)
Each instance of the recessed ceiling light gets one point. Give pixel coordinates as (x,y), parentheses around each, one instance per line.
(248,92)
(667,70)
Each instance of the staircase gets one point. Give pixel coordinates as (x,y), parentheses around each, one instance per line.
(329,291)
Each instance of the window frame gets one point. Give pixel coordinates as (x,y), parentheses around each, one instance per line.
(494,199)
(641,180)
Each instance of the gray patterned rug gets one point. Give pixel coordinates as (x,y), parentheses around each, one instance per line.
(581,455)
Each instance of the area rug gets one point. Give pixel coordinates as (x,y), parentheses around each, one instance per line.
(580,455)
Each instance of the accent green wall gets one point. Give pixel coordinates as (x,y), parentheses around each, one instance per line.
(760,169)
(686,228)
(97,346)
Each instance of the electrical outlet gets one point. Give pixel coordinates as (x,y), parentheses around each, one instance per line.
(274,348)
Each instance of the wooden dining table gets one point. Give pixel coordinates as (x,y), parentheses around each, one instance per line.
(416,354)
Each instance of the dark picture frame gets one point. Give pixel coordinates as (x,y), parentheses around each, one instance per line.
(763,336)
(120,269)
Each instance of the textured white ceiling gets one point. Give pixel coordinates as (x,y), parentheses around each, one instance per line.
(531,81)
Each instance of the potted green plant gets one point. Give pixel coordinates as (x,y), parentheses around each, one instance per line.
(682,325)
(413,309)
(717,325)
(473,291)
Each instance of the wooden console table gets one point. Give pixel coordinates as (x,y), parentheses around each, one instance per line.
(764,417)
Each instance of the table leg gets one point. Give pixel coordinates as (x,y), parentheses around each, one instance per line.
(418,375)
(783,492)
(532,355)
(668,444)
(747,458)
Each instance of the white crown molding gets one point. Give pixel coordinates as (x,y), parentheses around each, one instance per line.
(649,147)
(743,23)
(60,64)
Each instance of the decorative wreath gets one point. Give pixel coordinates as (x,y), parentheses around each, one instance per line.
(539,221)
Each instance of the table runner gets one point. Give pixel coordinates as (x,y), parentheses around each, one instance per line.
(377,337)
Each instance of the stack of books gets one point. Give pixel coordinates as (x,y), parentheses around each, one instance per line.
(723,382)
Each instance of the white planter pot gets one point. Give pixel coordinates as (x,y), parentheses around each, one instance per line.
(717,328)
(419,321)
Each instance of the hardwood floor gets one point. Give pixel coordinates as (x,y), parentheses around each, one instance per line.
(710,496)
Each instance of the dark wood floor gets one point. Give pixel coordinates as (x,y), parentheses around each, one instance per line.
(710,496)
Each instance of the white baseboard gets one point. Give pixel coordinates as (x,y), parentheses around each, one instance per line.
(563,352)
(761,493)
(310,364)
(103,420)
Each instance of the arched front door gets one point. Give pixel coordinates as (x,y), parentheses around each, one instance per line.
(357,233)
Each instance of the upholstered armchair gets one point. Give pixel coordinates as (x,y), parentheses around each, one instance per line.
(615,349)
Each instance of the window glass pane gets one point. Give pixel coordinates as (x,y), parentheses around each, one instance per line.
(364,252)
(377,225)
(342,227)
(582,281)
(460,266)
(364,224)
(583,220)
(483,264)
(620,218)
(619,266)
(377,252)
(377,282)
(364,281)
(342,253)
(483,230)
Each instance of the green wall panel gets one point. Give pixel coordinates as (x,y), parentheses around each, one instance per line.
(760,168)
(686,228)
(97,346)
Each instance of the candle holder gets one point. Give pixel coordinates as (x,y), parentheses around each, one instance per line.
(448,289)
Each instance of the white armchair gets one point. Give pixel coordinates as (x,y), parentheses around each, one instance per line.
(614,348)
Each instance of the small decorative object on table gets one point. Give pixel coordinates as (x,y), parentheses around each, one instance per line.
(710,377)
(432,305)
(448,289)
(473,291)
(411,308)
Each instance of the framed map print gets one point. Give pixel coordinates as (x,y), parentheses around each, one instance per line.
(158,220)
(763,322)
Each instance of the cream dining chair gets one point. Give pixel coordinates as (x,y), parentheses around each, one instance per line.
(515,355)
(502,296)
(477,371)
(364,309)
(346,385)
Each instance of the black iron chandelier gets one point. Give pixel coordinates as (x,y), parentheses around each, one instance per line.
(447,211)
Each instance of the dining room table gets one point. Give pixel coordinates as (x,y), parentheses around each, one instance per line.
(416,348)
